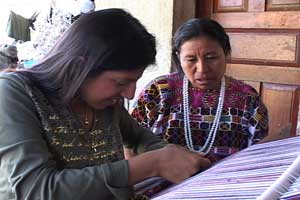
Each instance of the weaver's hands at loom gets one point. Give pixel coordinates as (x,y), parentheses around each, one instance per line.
(173,163)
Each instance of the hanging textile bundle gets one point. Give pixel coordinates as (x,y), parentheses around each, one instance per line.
(18,26)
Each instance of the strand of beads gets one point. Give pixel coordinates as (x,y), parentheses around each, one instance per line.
(187,128)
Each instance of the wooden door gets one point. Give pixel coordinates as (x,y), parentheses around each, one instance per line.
(265,38)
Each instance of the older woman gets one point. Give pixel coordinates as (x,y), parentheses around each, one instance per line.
(198,106)
(62,128)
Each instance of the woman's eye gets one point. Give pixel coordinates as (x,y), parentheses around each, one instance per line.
(191,60)
(211,57)
(121,83)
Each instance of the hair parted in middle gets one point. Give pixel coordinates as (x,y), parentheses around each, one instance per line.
(199,27)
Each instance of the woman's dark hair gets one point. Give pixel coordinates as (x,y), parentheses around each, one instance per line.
(110,39)
(194,28)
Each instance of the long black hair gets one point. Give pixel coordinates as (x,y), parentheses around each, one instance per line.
(109,39)
(197,27)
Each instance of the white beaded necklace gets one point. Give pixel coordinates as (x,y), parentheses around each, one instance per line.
(186,115)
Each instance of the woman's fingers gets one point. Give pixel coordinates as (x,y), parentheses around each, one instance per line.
(178,163)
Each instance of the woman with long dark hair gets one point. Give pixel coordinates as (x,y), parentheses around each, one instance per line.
(62,124)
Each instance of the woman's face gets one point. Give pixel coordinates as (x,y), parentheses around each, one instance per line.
(108,88)
(203,61)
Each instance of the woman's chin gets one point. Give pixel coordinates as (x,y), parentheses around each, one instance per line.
(203,87)
(100,106)
(105,104)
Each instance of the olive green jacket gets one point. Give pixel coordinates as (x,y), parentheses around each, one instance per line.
(46,154)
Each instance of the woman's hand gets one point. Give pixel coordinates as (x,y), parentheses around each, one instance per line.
(174,163)
(128,153)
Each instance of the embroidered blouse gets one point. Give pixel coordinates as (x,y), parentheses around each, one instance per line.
(46,153)
(244,118)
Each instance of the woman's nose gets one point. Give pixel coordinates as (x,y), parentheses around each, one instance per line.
(129,91)
(201,67)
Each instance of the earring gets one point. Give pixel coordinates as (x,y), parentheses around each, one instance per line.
(177,54)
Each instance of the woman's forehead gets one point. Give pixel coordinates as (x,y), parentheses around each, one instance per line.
(200,45)
(123,74)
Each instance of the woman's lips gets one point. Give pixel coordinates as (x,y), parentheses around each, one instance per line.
(111,102)
(202,81)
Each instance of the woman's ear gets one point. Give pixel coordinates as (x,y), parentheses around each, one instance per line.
(228,57)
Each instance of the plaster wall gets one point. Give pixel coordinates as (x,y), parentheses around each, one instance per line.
(161,18)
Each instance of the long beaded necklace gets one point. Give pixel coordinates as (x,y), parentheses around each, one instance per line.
(186,116)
